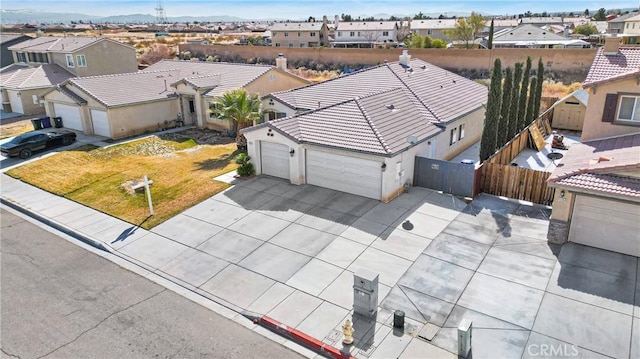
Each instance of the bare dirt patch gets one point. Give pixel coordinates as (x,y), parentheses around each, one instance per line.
(200,136)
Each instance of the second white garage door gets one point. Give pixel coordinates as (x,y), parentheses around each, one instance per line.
(343,173)
(274,159)
(607,224)
(100,123)
(70,116)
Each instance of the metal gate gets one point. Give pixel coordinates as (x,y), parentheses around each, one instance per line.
(449,177)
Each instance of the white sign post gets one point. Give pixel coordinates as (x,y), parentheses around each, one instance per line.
(148,192)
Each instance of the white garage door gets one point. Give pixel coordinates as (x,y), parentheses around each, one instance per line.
(274,159)
(15,101)
(344,173)
(100,123)
(70,116)
(607,224)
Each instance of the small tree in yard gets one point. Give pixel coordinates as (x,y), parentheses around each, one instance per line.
(524,88)
(503,123)
(586,29)
(239,107)
(515,101)
(245,167)
(155,53)
(538,92)
(490,41)
(492,115)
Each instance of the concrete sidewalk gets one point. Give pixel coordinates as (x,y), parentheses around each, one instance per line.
(290,252)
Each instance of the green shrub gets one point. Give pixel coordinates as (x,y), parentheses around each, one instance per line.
(245,168)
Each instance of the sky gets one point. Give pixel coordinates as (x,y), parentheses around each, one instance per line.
(302,9)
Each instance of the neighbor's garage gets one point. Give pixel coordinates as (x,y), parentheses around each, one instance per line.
(15,101)
(607,224)
(100,123)
(275,159)
(70,116)
(343,173)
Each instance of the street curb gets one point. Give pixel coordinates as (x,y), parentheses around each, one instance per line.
(60,227)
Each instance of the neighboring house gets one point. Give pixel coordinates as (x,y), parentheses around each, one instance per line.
(21,86)
(435,28)
(499,24)
(631,33)
(613,83)
(356,34)
(569,111)
(530,36)
(360,133)
(597,201)
(123,105)
(7,40)
(299,34)
(201,83)
(597,197)
(616,26)
(51,60)
(540,21)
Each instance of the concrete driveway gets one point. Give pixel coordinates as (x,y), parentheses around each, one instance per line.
(290,252)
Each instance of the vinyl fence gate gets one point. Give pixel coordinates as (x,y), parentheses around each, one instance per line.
(448,177)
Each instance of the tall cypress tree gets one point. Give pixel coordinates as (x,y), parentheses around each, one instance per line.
(538,93)
(490,41)
(503,123)
(531,115)
(524,88)
(488,141)
(515,96)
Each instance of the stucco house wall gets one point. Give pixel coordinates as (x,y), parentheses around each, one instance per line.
(593,125)
(103,58)
(136,119)
(30,106)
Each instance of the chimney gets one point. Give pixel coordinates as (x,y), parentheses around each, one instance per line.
(405,58)
(281,62)
(611,45)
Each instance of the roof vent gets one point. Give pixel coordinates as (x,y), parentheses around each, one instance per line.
(604,159)
(391,107)
(424,67)
(454,81)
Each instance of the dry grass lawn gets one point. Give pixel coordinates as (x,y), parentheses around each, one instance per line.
(100,178)
(15,128)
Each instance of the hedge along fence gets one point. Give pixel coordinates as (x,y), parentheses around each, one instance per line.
(570,64)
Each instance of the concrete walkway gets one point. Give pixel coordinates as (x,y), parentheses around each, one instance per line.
(290,252)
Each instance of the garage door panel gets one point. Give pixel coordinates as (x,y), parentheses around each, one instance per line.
(274,159)
(607,224)
(100,122)
(343,173)
(70,116)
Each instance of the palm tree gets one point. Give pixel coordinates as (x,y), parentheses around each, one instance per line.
(239,107)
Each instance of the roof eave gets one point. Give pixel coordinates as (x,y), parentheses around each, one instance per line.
(592,192)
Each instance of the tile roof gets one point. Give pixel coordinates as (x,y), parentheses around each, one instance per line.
(606,68)
(9,37)
(596,165)
(365,25)
(633,18)
(433,24)
(56,43)
(379,123)
(296,26)
(435,87)
(23,77)
(527,32)
(228,76)
(116,90)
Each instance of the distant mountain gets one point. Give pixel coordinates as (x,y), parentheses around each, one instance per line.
(33,16)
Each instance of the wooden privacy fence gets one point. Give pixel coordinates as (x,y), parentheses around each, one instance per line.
(516,182)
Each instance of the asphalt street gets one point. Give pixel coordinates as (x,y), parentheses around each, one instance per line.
(61,301)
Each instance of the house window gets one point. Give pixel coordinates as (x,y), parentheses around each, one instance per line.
(461,132)
(452,136)
(290,45)
(429,32)
(44,58)
(274,34)
(299,34)
(286,34)
(339,33)
(312,34)
(275,115)
(22,57)
(301,45)
(70,61)
(359,34)
(629,109)
(82,61)
(35,99)
(385,33)
(352,34)
(277,44)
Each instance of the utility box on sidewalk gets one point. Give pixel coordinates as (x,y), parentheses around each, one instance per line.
(464,338)
(365,293)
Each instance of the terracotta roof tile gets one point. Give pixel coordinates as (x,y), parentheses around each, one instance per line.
(592,165)
(610,67)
